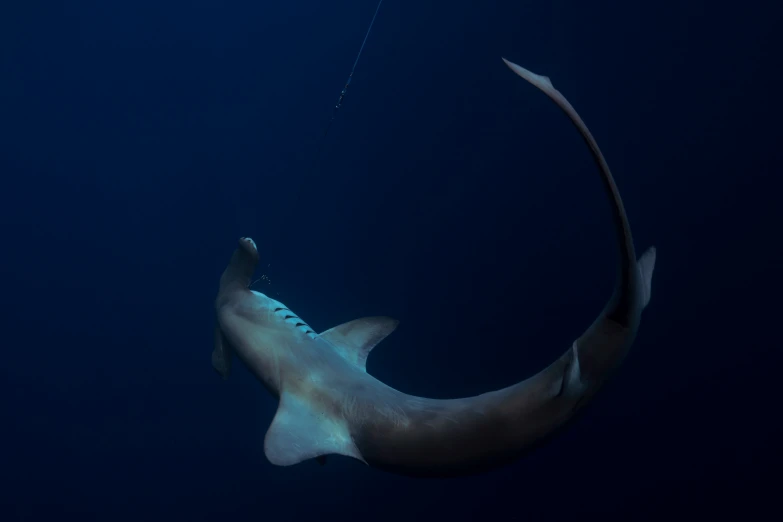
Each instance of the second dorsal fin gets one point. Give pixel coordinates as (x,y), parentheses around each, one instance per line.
(354,340)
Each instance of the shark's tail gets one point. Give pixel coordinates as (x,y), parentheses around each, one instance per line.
(632,274)
(448,437)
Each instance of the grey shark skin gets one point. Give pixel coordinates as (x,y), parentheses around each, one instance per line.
(330,405)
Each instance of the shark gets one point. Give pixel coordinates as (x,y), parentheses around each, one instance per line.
(330,405)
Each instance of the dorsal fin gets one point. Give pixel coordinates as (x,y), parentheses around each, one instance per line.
(301,431)
(354,339)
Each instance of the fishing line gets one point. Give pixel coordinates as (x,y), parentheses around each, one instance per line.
(350,76)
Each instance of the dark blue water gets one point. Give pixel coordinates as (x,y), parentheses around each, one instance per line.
(139,140)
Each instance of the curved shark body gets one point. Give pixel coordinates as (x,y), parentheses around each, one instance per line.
(330,405)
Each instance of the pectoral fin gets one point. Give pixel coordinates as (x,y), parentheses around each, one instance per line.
(300,431)
(221,354)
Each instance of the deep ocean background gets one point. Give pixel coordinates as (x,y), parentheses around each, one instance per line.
(140,139)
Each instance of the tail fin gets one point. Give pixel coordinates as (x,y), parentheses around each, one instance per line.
(646,266)
(623,229)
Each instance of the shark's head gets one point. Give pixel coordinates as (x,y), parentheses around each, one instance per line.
(263,311)
(249,246)
(241,310)
(238,273)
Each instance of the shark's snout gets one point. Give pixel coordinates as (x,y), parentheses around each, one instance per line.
(239,271)
(249,246)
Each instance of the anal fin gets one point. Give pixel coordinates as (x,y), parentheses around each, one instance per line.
(301,431)
(646,266)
